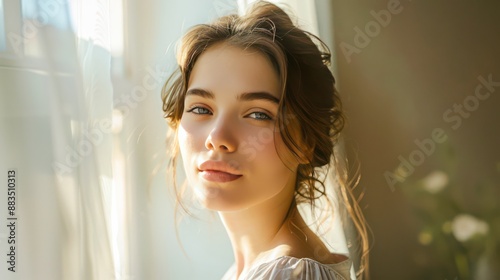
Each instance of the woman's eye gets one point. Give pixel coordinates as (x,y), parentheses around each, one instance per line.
(199,111)
(260,116)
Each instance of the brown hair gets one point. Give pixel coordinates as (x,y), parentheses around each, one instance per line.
(308,94)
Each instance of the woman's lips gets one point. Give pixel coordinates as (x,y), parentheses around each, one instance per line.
(218,176)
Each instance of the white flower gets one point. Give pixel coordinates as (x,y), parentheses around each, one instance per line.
(435,181)
(464,226)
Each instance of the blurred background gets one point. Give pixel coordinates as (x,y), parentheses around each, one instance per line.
(82,127)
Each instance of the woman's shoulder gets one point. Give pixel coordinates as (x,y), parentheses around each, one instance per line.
(287,267)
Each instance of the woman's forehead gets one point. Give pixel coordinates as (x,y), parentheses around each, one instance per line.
(228,67)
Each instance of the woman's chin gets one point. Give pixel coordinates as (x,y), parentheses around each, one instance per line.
(211,198)
(216,200)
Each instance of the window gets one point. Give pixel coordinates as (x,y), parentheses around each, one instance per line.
(2,28)
(49,12)
(10,27)
(22,21)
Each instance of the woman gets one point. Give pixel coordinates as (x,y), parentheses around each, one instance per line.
(256,117)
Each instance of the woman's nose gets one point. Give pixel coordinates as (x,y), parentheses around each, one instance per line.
(222,137)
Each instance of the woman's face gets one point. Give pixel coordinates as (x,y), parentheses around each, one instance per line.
(226,134)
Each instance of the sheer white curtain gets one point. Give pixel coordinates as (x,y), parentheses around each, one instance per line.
(56,132)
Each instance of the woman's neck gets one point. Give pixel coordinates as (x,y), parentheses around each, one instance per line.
(267,232)
(257,230)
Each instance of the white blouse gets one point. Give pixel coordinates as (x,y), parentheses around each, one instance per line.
(295,269)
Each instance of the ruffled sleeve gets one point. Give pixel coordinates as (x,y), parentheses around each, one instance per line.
(299,269)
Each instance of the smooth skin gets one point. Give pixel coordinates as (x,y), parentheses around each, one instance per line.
(229,113)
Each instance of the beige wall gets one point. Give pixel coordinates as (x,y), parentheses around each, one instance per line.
(396,89)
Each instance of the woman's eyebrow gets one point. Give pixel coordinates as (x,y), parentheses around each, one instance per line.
(201,92)
(246,96)
(260,95)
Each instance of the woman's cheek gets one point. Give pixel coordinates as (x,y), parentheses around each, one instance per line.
(190,131)
(182,137)
(186,140)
